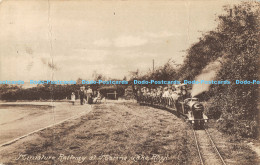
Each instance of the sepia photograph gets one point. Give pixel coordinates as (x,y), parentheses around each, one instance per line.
(129,82)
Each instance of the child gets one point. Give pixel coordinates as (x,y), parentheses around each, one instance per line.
(73,98)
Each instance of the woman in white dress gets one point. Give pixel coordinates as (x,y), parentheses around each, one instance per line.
(73,98)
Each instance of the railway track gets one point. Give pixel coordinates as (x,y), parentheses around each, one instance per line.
(207,150)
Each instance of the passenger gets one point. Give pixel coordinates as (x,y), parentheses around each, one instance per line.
(154,92)
(165,96)
(148,93)
(169,86)
(170,92)
(151,93)
(184,91)
(178,89)
(166,92)
(161,88)
(159,95)
(144,91)
(73,98)
(173,87)
(159,92)
(174,96)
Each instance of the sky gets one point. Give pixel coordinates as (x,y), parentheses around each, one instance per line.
(67,40)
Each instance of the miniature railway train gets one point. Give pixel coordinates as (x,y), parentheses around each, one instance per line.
(190,108)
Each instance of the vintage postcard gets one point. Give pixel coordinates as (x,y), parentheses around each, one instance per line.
(128,82)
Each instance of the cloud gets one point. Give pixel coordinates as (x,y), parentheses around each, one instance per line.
(129,41)
(122,41)
(161,34)
(132,41)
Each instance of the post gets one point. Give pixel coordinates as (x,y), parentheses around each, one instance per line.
(153,65)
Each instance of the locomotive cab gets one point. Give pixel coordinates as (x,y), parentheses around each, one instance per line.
(189,103)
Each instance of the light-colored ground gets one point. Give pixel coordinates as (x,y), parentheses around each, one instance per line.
(20,118)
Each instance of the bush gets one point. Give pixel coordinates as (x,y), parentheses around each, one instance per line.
(238,103)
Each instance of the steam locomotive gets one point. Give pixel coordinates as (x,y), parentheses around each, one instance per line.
(190,108)
(194,111)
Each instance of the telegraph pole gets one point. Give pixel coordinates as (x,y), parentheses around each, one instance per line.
(153,65)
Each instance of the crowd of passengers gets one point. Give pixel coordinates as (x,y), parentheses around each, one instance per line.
(175,92)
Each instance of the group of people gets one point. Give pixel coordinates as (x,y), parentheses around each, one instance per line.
(174,91)
(85,96)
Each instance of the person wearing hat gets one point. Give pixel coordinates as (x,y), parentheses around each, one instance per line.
(184,92)
(178,89)
(174,96)
(166,92)
(159,91)
(165,96)
(139,95)
(82,95)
